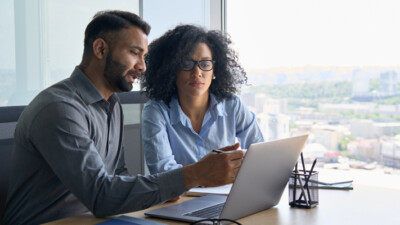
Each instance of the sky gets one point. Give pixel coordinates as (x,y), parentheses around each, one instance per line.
(272,33)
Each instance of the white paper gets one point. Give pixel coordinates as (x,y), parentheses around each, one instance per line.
(199,191)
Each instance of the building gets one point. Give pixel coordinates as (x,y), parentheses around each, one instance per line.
(386,129)
(360,108)
(273,126)
(362,128)
(360,87)
(390,152)
(388,83)
(259,103)
(275,106)
(365,149)
(249,99)
(327,136)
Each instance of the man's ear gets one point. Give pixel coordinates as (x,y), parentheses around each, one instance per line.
(100,48)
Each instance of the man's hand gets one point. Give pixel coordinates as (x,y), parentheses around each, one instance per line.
(174,199)
(215,169)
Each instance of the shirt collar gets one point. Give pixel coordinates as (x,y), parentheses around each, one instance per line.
(88,92)
(216,108)
(177,115)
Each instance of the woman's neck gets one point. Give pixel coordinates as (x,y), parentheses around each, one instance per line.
(195,109)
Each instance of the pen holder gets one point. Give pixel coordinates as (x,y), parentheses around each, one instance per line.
(303,189)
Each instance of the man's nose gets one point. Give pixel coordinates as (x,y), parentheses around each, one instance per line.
(141,65)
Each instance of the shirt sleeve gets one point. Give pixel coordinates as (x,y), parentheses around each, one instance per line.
(156,145)
(247,130)
(121,167)
(66,145)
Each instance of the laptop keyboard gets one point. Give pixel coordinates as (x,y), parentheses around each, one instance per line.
(211,212)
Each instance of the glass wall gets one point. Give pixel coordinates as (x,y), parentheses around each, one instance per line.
(42,42)
(7,46)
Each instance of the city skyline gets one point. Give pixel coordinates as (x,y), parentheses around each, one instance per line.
(301,74)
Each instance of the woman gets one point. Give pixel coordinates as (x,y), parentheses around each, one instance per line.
(191,79)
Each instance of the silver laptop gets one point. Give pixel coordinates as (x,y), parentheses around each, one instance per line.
(261,180)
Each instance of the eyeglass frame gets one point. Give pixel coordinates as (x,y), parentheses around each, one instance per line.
(198,64)
(215,221)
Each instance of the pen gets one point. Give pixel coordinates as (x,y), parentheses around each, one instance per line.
(302,162)
(295,185)
(305,174)
(217,151)
(308,179)
(311,171)
(303,192)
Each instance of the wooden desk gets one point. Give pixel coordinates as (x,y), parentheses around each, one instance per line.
(363,205)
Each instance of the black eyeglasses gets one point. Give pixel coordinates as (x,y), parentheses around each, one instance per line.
(205,65)
(215,222)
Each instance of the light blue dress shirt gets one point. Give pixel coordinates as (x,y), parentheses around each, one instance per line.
(170,142)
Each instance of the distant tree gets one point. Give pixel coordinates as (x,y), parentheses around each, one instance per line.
(344,142)
(374,85)
(321,90)
(389,101)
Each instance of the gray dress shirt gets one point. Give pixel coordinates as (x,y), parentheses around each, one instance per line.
(69,158)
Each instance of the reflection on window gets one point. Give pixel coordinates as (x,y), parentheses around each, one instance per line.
(327,68)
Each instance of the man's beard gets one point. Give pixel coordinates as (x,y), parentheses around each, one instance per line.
(114,73)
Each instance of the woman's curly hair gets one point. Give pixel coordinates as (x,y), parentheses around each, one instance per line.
(168,52)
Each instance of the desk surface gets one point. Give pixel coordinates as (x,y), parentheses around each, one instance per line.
(363,205)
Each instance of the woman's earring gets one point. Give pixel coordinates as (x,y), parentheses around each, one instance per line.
(214,77)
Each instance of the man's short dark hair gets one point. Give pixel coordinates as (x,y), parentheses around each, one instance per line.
(108,21)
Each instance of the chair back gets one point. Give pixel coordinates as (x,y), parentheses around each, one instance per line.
(132,105)
(9,116)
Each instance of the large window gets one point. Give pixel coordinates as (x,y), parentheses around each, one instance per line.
(330,69)
(7,45)
(42,42)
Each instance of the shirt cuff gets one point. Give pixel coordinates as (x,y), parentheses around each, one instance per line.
(171,184)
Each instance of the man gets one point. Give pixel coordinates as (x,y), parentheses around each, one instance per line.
(68,154)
